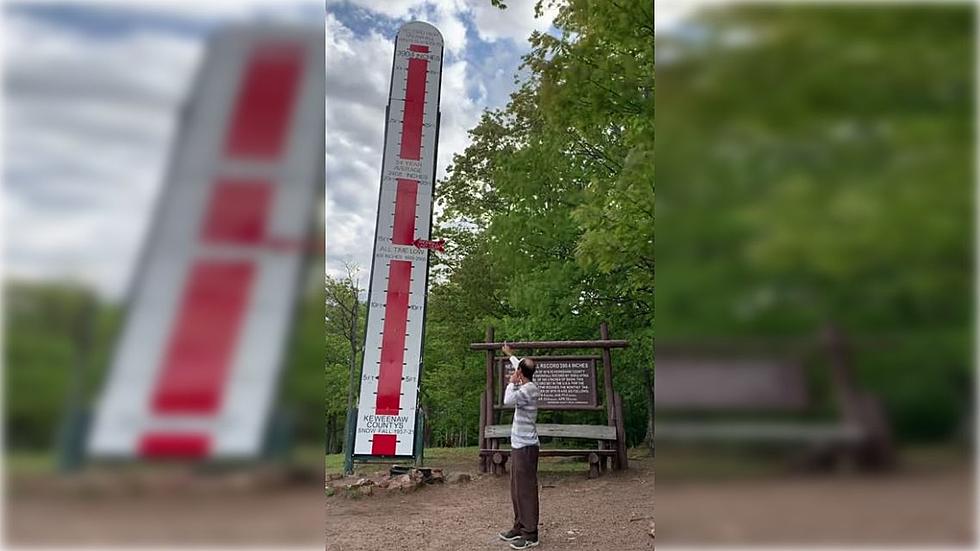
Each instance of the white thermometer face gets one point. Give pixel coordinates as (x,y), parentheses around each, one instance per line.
(399,270)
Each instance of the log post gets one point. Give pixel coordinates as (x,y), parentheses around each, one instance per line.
(483,427)
(593,465)
(623,460)
(488,399)
(607,376)
(841,373)
(876,451)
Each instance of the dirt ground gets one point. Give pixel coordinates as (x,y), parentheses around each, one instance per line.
(289,518)
(923,502)
(170,510)
(917,505)
(576,513)
(916,509)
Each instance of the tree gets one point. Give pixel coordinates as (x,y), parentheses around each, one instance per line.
(343,312)
(549,211)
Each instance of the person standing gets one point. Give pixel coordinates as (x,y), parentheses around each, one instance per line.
(522,393)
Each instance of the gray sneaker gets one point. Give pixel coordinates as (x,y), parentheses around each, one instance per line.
(524,543)
(509,535)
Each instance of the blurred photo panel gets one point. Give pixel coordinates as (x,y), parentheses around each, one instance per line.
(815,347)
(163,260)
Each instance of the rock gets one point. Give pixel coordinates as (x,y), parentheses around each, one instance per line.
(437,476)
(396,470)
(331,491)
(366,490)
(458,478)
(404,483)
(383,482)
(395,482)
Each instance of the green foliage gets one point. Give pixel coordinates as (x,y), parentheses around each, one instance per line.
(816,165)
(47,328)
(302,395)
(345,319)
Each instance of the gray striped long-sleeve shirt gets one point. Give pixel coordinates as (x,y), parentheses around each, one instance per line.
(524,398)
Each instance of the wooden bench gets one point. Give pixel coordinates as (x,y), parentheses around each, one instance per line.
(690,384)
(603,434)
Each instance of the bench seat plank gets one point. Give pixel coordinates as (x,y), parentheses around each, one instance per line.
(554,453)
(592,432)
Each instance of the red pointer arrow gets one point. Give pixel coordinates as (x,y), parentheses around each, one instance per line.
(434,245)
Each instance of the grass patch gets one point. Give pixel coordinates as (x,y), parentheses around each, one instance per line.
(445,458)
(704,462)
(334,463)
(744,462)
(28,462)
(466,460)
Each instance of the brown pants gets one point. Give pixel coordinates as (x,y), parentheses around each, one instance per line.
(524,490)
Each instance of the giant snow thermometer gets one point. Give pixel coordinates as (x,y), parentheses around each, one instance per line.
(386,415)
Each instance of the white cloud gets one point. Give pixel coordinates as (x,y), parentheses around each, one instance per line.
(224,11)
(460,113)
(669,13)
(448,20)
(396,9)
(516,23)
(357,81)
(87,127)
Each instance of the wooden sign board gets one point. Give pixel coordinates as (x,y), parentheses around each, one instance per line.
(564,382)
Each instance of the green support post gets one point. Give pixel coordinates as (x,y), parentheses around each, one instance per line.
(419,437)
(349,442)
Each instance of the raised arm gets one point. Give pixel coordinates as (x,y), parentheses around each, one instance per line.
(506,349)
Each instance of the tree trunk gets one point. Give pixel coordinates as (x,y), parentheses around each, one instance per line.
(427,429)
(648,382)
(338,434)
